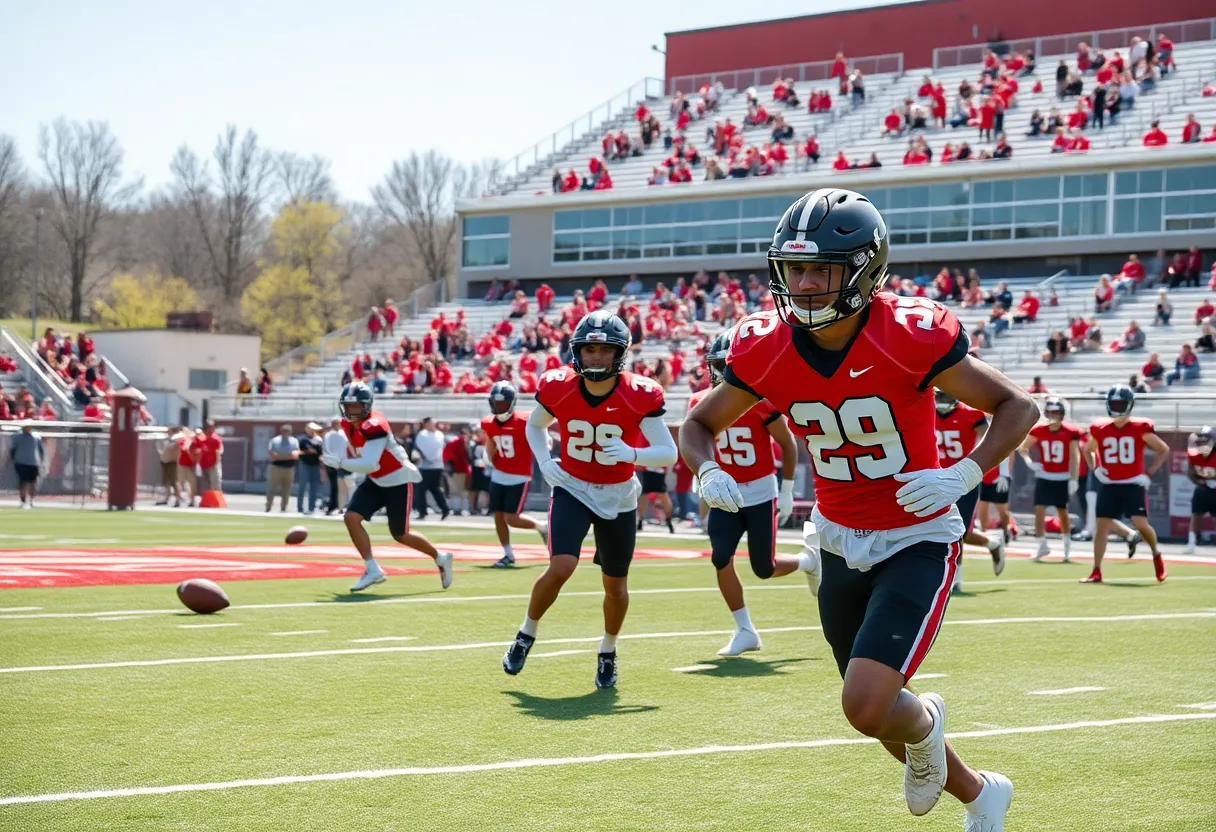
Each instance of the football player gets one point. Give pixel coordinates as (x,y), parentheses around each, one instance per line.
(1055,474)
(389,484)
(654,492)
(853,370)
(1201,471)
(602,413)
(959,429)
(994,491)
(745,452)
(1116,446)
(511,457)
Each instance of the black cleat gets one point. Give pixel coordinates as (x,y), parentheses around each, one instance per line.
(504,563)
(641,522)
(671,528)
(1132,543)
(605,671)
(517,653)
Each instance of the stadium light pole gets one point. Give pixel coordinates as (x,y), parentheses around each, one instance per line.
(655,48)
(37,276)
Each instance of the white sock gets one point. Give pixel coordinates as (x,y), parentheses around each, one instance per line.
(608,644)
(974,806)
(1091,512)
(371,566)
(1067,545)
(506,550)
(806,563)
(743,619)
(1039,542)
(1190,538)
(528,628)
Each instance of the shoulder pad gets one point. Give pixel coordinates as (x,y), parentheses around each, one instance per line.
(919,331)
(758,339)
(644,395)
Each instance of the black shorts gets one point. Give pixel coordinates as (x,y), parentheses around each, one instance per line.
(394,499)
(966,506)
(726,529)
(1203,500)
(1121,499)
(509,499)
(569,522)
(989,494)
(1052,493)
(890,613)
(26,474)
(653,482)
(480,480)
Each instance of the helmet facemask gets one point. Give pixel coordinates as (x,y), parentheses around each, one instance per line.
(1054,412)
(845,294)
(355,412)
(596,373)
(944,402)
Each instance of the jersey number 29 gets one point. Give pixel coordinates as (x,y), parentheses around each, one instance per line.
(867,422)
(583,435)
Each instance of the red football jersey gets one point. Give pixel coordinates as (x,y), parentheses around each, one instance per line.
(1121,449)
(512,454)
(744,449)
(1203,466)
(1054,451)
(376,427)
(866,412)
(956,435)
(586,422)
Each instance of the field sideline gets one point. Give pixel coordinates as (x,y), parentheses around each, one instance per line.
(304,707)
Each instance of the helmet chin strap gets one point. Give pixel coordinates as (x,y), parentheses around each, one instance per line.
(502,417)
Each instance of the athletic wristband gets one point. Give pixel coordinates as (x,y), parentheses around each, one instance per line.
(787,487)
(969,472)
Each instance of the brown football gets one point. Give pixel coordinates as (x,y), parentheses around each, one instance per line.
(297,535)
(202,596)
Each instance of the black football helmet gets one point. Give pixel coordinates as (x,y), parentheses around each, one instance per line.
(715,355)
(600,327)
(502,398)
(944,402)
(355,402)
(1054,409)
(1204,439)
(835,226)
(1120,400)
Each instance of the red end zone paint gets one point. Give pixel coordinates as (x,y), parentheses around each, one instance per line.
(32,568)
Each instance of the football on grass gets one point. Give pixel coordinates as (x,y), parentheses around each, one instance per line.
(296,535)
(202,596)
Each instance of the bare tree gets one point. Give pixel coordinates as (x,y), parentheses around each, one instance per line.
(84,165)
(304,180)
(227,208)
(172,242)
(12,184)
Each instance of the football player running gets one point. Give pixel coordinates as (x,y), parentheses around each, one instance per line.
(602,413)
(853,371)
(959,429)
(1116,448)
(389,484)
(1201,459)
(511,456)
(744,452)
(1055,473)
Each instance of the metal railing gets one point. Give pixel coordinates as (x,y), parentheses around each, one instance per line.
(525,163)
(812,71)
(37,378)
(77,465)
(408,408)
(1185,31)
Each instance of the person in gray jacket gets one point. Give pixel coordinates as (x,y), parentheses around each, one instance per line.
(28,455)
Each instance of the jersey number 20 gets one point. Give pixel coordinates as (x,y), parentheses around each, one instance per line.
(867,422)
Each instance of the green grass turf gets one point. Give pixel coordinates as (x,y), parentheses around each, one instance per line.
(196,723)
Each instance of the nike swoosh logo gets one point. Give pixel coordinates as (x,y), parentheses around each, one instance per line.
(610,409)
(856,373)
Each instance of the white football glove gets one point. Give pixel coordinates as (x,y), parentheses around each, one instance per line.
(718,489)
(785,502)
(1142,480)
(552,471)
(1072,487)
(618,450)
(331,460)
(1002,484)
(1035,467)
(932,489)
(1101,476)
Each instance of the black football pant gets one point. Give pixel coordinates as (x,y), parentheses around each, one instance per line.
(432,481)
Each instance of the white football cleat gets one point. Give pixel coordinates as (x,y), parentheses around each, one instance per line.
(1189,549)
(987,812)
(743,641)
(925,769)
(374,575)
(996,548)
(444,562)
(1044,551)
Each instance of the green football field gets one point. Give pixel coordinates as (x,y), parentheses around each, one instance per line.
(305,708)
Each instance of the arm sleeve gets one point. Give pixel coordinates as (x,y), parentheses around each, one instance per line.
(368,459)
(662,450)
(538,433)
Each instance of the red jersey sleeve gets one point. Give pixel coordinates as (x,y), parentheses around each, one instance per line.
(753,350)
(645,396)
(932,339)
(554,386)
(375,427)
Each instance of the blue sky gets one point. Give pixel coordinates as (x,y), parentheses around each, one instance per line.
(362,82)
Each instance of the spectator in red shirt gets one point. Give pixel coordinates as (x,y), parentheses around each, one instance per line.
(84,346)
(544,297)
(552,362)
(811,150)
(570,182)
(1028,308)
(375,323)
(1078,142)
(389,311)
(1078,118)
(527,381)
(1165,53)
(1156,137)
(840,67)
(604,182)
(1205,310)
(1037,387)
(1133,269)
(987,118)
(7,364)
(519,305)
(442,379)
(1191,130)
(841,162)
(1210,137)
(1194,266)
(1061,143)
(893,124)
(1104,294)
(210,448)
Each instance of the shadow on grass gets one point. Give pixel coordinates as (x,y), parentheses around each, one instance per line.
(566,708)
(743,667)
(362,598)
(975,593)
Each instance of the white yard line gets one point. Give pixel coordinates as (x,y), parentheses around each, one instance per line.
(1201,706)
(382,638)
(595,593)
(439,648)
(920,676)
(693,668)
(556,653)
(301,633)
(1065,691)
(207,626)
(20,609)
(548,762)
